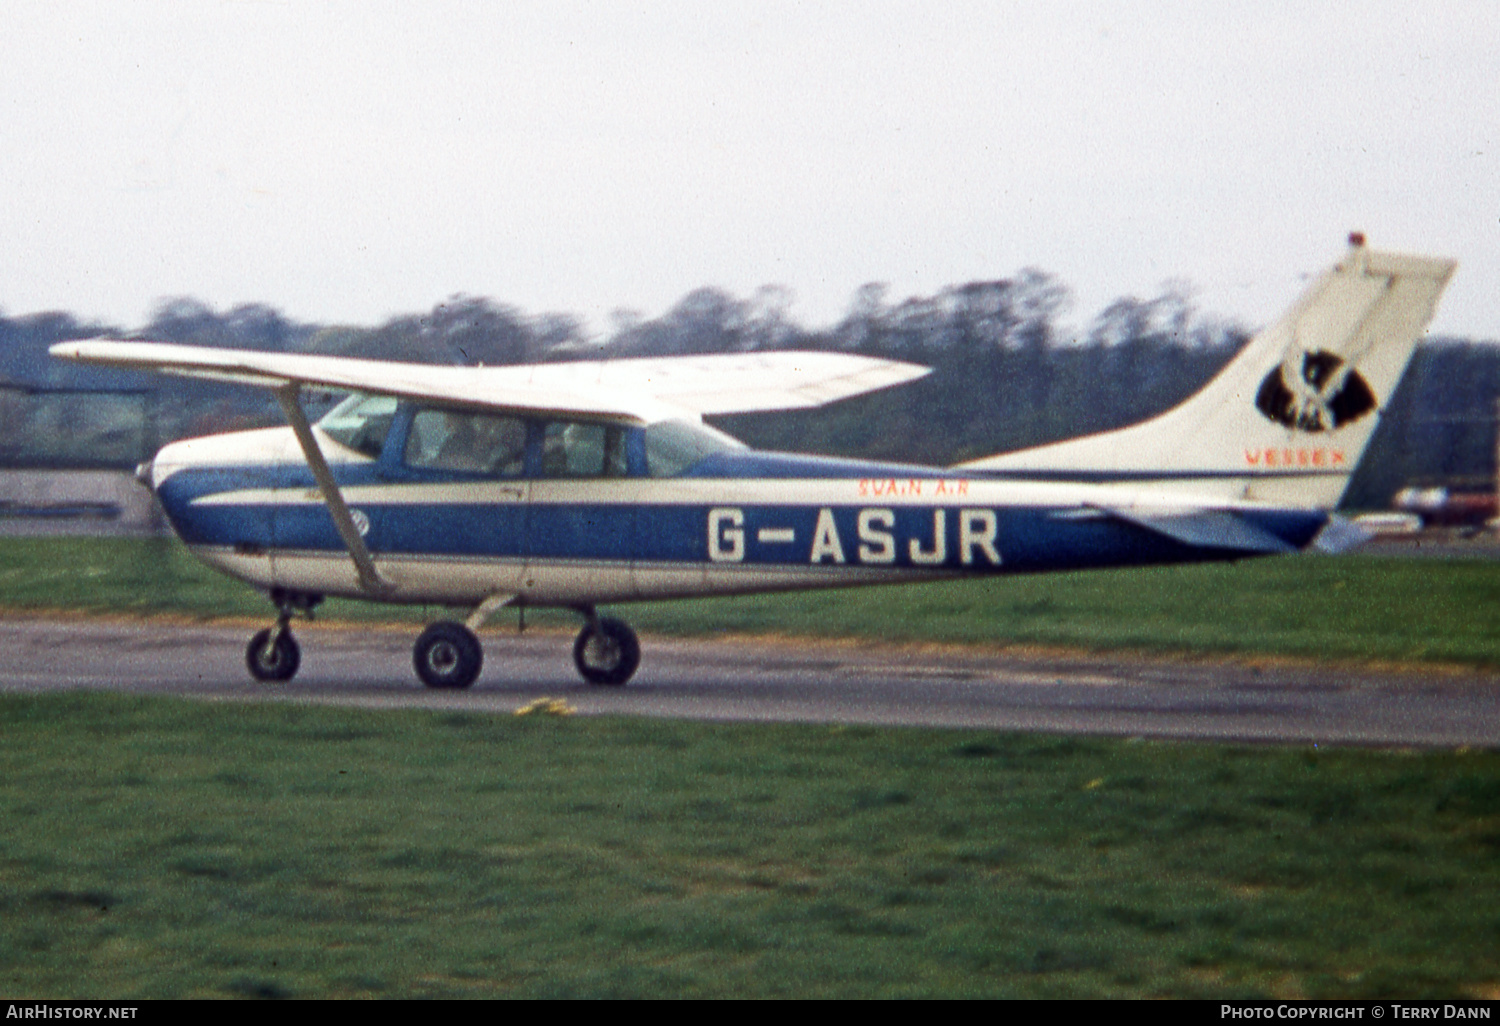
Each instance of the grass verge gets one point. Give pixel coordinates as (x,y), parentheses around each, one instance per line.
(162,848)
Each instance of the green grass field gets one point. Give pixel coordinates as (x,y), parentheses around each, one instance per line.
(162,848)
(158,848)
(1350,607)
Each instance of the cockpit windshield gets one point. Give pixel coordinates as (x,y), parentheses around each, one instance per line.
(675,446)
(361,422)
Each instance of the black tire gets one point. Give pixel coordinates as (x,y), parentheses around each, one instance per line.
(277,666)
(610,656)
(448,655)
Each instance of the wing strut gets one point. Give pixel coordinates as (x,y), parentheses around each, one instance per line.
(364,564)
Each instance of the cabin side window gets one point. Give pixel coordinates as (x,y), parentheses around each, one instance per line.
(361,422)
(583,450)
(470,443)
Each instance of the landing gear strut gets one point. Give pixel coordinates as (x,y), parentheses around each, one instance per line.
(607,651)
(273,655)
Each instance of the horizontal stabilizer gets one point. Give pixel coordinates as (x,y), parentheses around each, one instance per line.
(1206,529)
(1341,535)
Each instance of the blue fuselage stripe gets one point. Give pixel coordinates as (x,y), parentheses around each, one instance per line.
(937,536)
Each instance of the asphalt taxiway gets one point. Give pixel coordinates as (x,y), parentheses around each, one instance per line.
(749,680)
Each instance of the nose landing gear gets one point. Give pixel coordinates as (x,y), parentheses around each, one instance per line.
(273,655)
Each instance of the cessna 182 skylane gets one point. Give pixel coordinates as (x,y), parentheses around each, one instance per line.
(580,484)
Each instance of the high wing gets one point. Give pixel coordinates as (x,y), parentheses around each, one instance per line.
(732,383)
(635,390)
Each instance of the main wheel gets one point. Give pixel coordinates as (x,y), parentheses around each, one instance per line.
(277,662)
(608,655)
(448,655)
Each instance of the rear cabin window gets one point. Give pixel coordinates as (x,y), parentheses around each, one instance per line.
(471,443)
(675,446)
(361,422)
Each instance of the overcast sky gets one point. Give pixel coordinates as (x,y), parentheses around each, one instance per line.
(350,161)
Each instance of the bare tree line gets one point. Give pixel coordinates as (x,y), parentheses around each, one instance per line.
(1007,372)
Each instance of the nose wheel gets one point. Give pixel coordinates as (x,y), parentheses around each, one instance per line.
(273,656)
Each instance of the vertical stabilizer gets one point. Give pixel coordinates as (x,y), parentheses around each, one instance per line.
(1289,417)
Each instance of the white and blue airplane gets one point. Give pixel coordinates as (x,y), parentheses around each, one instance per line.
(583,484)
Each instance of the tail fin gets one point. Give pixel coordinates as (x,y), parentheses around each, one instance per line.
(1288,419)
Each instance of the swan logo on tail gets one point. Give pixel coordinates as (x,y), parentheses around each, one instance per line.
(1321,394)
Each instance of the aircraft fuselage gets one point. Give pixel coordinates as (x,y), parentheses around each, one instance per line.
(739,521)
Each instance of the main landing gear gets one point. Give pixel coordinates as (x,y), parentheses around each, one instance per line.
(606,651)
(448,654)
